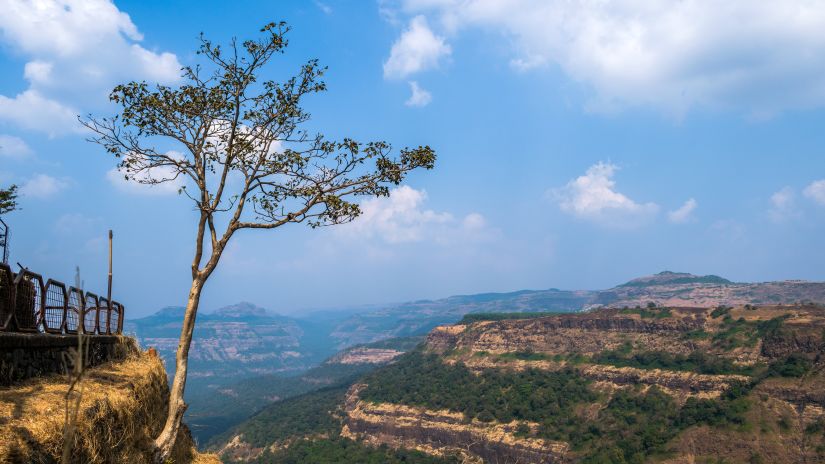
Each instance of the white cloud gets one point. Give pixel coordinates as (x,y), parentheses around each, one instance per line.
(684,213)
(783,205)
(402,218)
(420,97)
(31,110)
(43,186)
(139,183)
(593,197)
(672,55)
(14,147)
(78,50)
(816,191)
(418,49)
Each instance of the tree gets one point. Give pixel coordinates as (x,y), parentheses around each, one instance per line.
(238,150)
(8,199)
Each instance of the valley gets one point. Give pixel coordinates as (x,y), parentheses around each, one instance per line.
(606,357)
(655,385)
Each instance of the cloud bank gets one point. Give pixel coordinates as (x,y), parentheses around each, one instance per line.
(669,55)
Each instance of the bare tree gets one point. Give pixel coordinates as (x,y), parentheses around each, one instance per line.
(237,148)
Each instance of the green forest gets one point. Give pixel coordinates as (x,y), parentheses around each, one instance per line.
(633,423)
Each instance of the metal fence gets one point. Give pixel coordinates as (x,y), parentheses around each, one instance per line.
(28,304)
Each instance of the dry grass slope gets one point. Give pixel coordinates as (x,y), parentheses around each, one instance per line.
(123,407)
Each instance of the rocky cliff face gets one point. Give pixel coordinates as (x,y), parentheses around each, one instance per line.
(571,333)
(755,344)
(443,433)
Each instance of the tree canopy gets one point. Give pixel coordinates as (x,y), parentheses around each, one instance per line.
(8,199)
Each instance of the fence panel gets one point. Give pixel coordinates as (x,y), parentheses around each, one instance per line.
(74,312)
(55,306)
(116,319)
(6,297)
(29,305)
(28,301)
(90,314)
(104,315)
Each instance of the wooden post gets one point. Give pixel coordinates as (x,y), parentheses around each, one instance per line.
(109,293)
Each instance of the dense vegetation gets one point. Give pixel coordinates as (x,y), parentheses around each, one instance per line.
(634,423)
(219,412)
(310,426)
(306,415)
(739,332)
(345,451)
(423,380)
(697,361)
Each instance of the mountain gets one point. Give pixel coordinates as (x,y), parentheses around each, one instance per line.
(682,289)
(419,317)
(236,341)
(664,288)
(611,385)
(245,340)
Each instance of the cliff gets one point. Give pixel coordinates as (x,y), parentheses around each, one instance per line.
(443,433)
(678,385)
(123,405)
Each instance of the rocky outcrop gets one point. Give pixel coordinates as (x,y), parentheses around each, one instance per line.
(786,342)
(585,333)
(366,356)
(680,385)
(444,433)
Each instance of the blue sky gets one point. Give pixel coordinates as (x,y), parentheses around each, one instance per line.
(580,144)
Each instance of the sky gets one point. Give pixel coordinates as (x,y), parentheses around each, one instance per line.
(580,144)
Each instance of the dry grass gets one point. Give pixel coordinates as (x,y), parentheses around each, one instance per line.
(123,407)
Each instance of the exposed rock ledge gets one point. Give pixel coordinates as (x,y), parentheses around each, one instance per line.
(676,383)
(443,432)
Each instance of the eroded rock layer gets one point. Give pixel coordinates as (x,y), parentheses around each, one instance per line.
(443,433)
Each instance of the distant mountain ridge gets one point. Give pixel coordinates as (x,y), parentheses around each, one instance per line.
(235,341)
(675,278)
(683,289)
(665,288)
(256,341)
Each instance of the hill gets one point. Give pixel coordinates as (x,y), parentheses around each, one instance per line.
(664,288)
(682,289)
(657,384)
(236,341)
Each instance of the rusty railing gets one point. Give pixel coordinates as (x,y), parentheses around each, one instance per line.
(27,304)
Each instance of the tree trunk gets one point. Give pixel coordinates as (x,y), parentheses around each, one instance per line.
(166,441)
